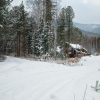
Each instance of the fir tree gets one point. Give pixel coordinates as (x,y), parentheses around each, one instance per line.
(45,39)
(4,23)
(69,18)
(18,18)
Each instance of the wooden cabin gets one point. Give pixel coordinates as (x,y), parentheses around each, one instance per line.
(75,50)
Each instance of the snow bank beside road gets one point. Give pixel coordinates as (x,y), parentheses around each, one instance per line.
(34,80)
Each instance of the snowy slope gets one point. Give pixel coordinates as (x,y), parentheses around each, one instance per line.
(33,80)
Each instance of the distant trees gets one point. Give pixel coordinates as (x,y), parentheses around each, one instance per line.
(34,32)
(94,45)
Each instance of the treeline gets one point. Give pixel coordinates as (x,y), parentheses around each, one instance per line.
(92,44)
(39,31)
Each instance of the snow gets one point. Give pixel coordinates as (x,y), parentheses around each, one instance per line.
(58,49)
(76,46)
(22,79)
(1,25)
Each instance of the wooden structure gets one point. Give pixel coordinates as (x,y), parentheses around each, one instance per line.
(75,50)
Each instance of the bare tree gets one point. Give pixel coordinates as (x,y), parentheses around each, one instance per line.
(36,9)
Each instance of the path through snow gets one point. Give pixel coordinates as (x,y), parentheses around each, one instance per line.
(34,80)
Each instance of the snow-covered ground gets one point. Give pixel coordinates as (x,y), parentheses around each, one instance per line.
(22,79)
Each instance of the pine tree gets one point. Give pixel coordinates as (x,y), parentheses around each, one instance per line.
(48,15)
(47,26)
(18,18)
(65,27)
(4,23)
(45,39)
(69,18)
(77,36)
(3,8)
(30,27)
(38,47)
(61,27)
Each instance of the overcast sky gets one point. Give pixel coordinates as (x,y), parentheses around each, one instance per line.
(86,11)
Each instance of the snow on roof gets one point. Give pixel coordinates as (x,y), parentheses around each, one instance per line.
(0,25)
(58,49)
(84,48)
(75,45)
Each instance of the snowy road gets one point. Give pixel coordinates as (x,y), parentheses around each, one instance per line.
(33,80)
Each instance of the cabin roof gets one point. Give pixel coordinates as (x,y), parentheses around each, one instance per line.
(76,46)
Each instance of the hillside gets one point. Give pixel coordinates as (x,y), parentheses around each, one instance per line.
(96,30)
(90,34)
(89,29)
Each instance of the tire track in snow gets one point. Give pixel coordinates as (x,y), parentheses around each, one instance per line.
(39,83)
(58,87)
(44,81)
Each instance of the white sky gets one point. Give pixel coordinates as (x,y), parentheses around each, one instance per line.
(86,11)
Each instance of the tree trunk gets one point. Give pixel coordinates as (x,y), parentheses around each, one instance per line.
(24,39)
(17,46)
